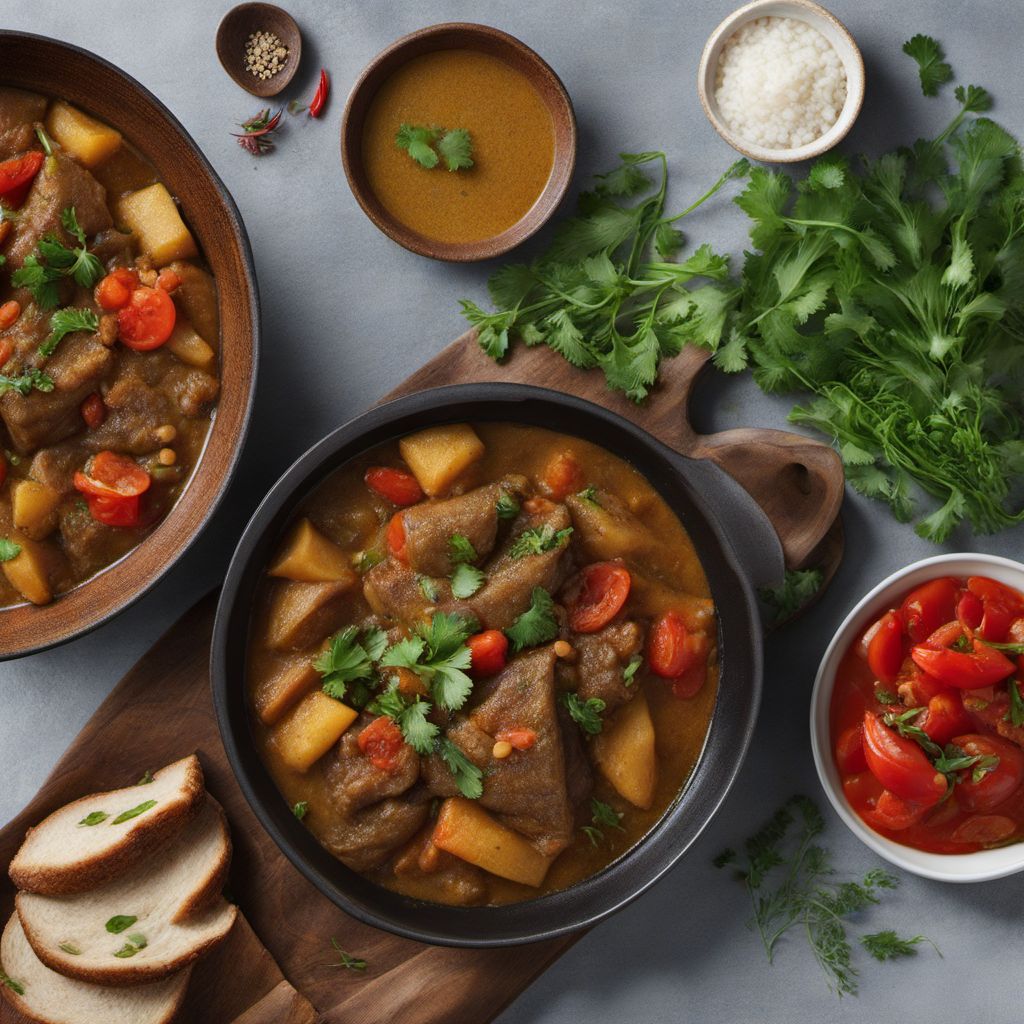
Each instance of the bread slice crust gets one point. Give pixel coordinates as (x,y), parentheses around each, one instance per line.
(143,836)
(48,998)
(199,909)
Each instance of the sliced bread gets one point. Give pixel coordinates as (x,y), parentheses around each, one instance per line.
(43,996)
(153,920)
(97,838)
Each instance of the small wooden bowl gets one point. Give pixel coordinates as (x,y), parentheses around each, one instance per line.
(103,90)
(462,36)
(235,28)
(831,28)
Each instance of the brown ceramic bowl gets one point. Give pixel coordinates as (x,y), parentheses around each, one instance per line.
(58,69)
(233,33)
(460,35)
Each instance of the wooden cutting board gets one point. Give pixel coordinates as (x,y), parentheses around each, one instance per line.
(162,710)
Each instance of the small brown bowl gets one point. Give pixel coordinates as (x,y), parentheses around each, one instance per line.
(233,33)
(462,36)
(103,90)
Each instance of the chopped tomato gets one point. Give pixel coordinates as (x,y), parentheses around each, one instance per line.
(395,538)
(691,682)
(993,786)
(517,739)
(17,175)
(885,651)
(929,606)
(6,350)
(148,319)
(381,742)
(603,589)
(9,313)
(984,829)
(94,412)
(488,651)
(850,757)
(109,475)
(970,669)
(115,290)
(970,610)
(1000,606)
(945,717)
(992,590)
(394,485)
(563,476)
(893,813)
(671,648)
(900,764)
(115,511)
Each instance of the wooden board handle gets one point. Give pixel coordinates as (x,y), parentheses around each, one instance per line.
(797,481)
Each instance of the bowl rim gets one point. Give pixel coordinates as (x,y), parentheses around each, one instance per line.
(624,879)
(983,865)
(853,61)
(114,607)
(545,205)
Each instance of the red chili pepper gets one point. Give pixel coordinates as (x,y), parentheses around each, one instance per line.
(316,105)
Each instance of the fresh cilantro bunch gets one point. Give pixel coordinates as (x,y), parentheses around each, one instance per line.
(607,293)
(890,290)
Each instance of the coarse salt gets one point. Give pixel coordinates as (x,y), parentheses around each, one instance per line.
(780,83)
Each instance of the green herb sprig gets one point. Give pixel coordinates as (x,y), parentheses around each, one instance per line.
(429,145)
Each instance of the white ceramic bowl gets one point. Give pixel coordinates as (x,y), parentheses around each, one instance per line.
(831,28)
(964,867)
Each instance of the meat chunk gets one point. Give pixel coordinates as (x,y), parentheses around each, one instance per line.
(303,614)
(461,883)
(368,838)
(59,185)
(511,581)
(18,140)
(55,466)
(430,525)
(193,390)
(353,780)
(528,789)
(86,542)
(601,659)
(606,529)
(578,774)
(134,411)
(44,418)
(394,592)
(20,107)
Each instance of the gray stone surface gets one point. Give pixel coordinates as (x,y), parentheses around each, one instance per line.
(347,315)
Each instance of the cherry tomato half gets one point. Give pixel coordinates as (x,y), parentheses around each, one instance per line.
(672,649)
(994,786)
(850,759)
(945,717)
(929,606)
(900,764)
(885,650)
(488,651)
(381,742)
(148,319)
(602,591)
(115,290)
(894,813)
(966,670)
(563,476)
(394,485)
(109,475)
(115,510)
(395,538)
(17,175)
(1000,606)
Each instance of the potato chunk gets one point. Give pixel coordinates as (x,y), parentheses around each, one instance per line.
(301,614)
(197,297)
(467,831)
(437,456)
(280,692)
(27,571)
(625,753)
(309,556)
(34,508)
(89,141)
(154,218)
(189,347)
(311,730)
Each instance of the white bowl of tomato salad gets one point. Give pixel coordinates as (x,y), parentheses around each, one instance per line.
(917,718)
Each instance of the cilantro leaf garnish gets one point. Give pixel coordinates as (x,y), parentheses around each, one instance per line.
(585,713)
(537,625)
(428,589)
(934,71)
(8,549)
(439,656)
(67,321)
(1015,713)
(507,506)
(410,716)
(23,383)
(603,816)
(468,777)
(120,923)
(460,549)
(52,261)
(426,145)
(301,809)
(456,149)
(349,658)
(538,539)
(589,494)
(631,669)
(466,580)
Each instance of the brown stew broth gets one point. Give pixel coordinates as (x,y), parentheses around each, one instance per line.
(512,136)
(348,513)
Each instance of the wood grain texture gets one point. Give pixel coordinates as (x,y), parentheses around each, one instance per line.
(162,711)
(96,86)
(797,481)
